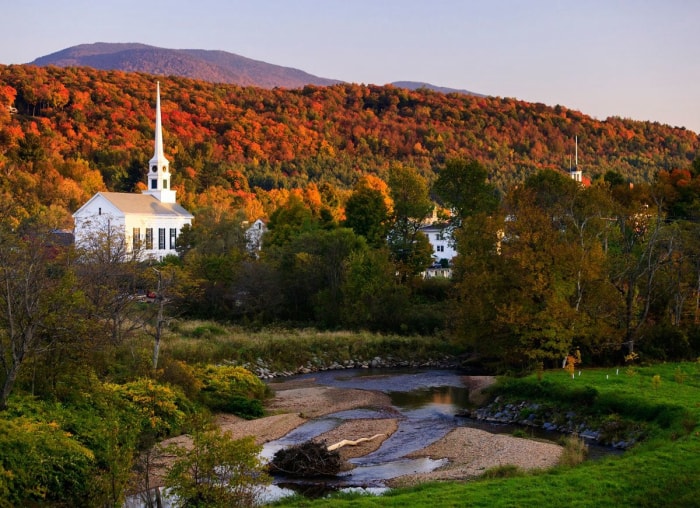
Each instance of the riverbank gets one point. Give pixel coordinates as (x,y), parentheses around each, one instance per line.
(469,452)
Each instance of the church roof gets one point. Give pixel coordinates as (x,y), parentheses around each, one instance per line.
(143,204)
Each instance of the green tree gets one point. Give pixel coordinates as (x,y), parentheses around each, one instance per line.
(372,296)
(109,271)
(288,221)
(463,186)
(367,215)
(409,247)
(311,270)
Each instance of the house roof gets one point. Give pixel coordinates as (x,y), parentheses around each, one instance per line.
(143,204)
(436,226)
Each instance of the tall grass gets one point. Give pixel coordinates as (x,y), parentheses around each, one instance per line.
(575,451)
(288,350)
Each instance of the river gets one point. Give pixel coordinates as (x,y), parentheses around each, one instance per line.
(424,402)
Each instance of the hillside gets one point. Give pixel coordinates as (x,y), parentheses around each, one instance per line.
(77,130)
(213,66)
(204,65)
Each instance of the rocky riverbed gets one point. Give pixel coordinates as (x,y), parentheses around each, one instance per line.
(467,452)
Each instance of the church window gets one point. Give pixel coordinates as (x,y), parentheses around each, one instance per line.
(149,238)
(154,184)
(154,168)
(136,238)
(161,238)
(99,211)
(165,183)
(173,237)
(441,248)
(164,169)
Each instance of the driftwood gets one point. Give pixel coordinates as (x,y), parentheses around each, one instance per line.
(311,458)
(347,442)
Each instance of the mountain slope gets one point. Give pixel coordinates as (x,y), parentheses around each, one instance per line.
(205,65)
(416,85)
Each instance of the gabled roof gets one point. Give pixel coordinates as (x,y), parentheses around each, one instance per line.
(142,204)
(435,226)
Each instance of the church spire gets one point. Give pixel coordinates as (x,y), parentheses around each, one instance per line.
(158,179)
(158,152)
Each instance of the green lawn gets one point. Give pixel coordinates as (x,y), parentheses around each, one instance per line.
(664,470)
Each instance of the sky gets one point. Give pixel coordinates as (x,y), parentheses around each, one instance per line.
(637,59)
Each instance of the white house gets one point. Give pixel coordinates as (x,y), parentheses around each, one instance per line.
(149,222)
(440,238)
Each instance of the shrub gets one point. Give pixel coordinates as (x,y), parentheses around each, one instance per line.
(40,463)
(160,406)
(217,471)
(232,390)
(180,374)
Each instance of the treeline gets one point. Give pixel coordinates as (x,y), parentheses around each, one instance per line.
(547,268)
(65,133)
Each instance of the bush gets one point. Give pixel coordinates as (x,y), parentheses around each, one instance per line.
(40,463)
(217,471)
(178,373)
(232,390)
(162,408)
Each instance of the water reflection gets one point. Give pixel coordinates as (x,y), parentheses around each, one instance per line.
(452,397)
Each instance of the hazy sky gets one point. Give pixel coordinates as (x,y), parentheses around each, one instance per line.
(636,59)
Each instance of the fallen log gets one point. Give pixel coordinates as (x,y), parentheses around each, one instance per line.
(348,442)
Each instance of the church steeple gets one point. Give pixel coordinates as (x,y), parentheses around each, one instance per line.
(575,172)
(158,179)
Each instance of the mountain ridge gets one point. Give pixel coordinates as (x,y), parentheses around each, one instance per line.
(206,65)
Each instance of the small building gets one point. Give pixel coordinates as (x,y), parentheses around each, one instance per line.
(150,222)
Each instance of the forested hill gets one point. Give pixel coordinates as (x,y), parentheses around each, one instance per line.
(205,65)
(66,132)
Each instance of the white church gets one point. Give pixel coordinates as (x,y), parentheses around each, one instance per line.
(150,222)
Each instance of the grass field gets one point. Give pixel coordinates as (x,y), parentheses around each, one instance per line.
(663,470)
